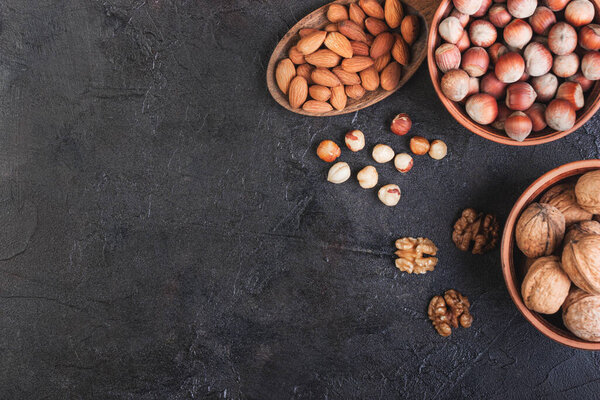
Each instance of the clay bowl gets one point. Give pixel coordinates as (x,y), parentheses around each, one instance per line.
(513,261)
(592,102)
(318,19)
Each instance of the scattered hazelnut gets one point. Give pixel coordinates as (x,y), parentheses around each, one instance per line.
(572,92)
(438,150)
(355,140)
(541,20)
(587,191)
(419,145)
(520,96)
(339,172)
(328,151)
(447,57)
(562,39)
(545,286)
(581,261)
(560,115)
(580,315)
(382,153)
(493,86)
(389,195)
(517,33)
(482,108)
(510,67)
(482,33)
(518,126)
(590,65)
(539,230)
(536,115)
(475,61)
(468,7)
(545,86)
(566,66)
(403,162)
(367,177)
(521,8)
(401,124)
(455,84)
(589,37)
(579,12)
(450,29)
(499,15)
(538,59)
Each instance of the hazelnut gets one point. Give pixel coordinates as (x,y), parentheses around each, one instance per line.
(587,191)
(521,8)
(403,162)
(556,5)
(536,115)
(541,20)
(517,34)
(475,61)
(590,65)
(589,37)
(495,51)
(579,12)
(367,177)
(462,18)
(419,145)
(503,113)
(355,140)
(585,83)
(328,151)
(581,261)
(518,126)
(493,86)
(499,15)
(560,115)
(562,196)
(538,59)
(455,84)
(468,7)
(545,86)
(539,230)
(447,57)
(545,286)
(485,5)
(482,33)
(389,195)
(339,172)
(510,67)
(581,315)
(463,43)
(401,124)
(482,108)
(473,86)
(572,92)
(520,96)
(562,39)
(566,66)
(579,229)
(450,29)
(438,150)
(382,153)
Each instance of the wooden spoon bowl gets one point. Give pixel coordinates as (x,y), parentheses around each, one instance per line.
(425,9)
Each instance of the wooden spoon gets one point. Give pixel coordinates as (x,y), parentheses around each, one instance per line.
(425,9)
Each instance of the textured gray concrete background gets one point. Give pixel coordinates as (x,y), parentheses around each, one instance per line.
(167,231)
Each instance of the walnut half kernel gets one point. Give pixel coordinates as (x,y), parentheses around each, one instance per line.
(412,255)
(478,228)
(449,311)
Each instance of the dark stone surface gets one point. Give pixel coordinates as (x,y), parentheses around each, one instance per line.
(168,232)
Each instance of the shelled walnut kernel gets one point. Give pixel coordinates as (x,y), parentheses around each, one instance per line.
(478,228)
(449,311)
(411,255)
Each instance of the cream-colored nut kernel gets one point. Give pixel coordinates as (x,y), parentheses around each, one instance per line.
(355,140)
(438,150)
(339,172)
(403,162)
(382,153)
(389,195)
(367,177)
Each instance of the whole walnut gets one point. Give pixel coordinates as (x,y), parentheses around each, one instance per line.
(581,315)
(562,196)
(540,229)
(587,191)
(582,228)
(581,261)
(545,286)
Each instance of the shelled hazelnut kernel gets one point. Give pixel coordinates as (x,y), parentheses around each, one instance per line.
(521,8)
(419,145)
(562,39)
(355,140)
(475,61)
(538,59)
(438,149)
(510,67)
(545,86)
(560,115)
(499,15)
(403,162)
(579,12)
(450,29)
(339,172)
(367,177)
(589,37)
(518,126)
(455,84)
(566,66)
(493,86)
(468,7)
(542,20)
(447,57)
(389,195)
(572,92)
(482,33)
(401,124)
(517,33)
(382,153)
(536,115)
(590,65)
(482,108)
(328,151)
(585,83)
(520,96)
(495,51)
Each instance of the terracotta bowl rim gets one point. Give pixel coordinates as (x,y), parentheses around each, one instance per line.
(592,98)
(506,251)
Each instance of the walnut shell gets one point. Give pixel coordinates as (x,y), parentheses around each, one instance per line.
(587,191)
(540,230)
(562,196)
(545,286)
(581,261)
(581,315)
(582,228)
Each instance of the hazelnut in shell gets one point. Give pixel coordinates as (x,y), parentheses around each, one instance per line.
(566,66)
(468,7)
(582,228)
(475,61)
(590,65)
(587,191)
(482,33)
(455,84)
(585,83)
(517,33)
(447,57)
(572,92)
(562,196)
(562,39)
(520,96)
(579,12)
(536,115)
(521,8)
(538,59)
(518,126)
(493,86)
(545,86)
(589,37)
(581,315)
(510,67)
(450,29)
(556,5)
(499,15)
(560,115)
(581,261)
(545,286)
(482,108)
(542,19)
(539,230)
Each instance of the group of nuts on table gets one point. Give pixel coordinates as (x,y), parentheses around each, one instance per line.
(517,65)
(343,61)
(560,236)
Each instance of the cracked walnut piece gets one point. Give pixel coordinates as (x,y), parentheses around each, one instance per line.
(449,311)
(411,255)
(478,228)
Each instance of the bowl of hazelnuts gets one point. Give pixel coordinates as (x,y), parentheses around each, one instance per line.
(517,72)
(550,254)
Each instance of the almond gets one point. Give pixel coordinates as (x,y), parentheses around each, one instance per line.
(284,73)
(304,71)
(382,44)
(372,8)
(298,92)
(316,106)
(339,44)
(393,13)
(338,97)
(375,26)
(323,58)
(295,55)
(380,62)
(357,15)
(318,92)
(359,48)
(311,43)
(323,76)
(356,63)
(370,78)
(331,28)
(410,28)
(347,78)
(306,31)
(352,31)
(390,76)
(355,91)
(370,39)
(401,51)
(337,13)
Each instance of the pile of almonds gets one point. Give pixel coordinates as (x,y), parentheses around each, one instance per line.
(519,66)
(341,60)
(561,239)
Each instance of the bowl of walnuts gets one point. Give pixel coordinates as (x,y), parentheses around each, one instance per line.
(550,254)
(519,72)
